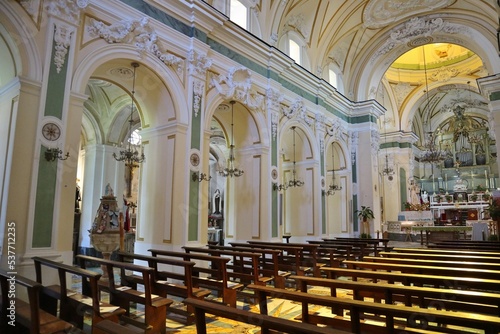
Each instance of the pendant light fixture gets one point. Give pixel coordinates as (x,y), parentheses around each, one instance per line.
(131,155)
(230,170)
(332,188)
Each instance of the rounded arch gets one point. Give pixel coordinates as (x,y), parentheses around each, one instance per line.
(25,55)
(305,149)
(166,78)
(379,55)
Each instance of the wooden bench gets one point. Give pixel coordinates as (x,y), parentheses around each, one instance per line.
(361,246)
(414,319)
(375,242)
(450,282)
(110,327)
(155,307)
(441,257)
(446,251)
(243,269)
(176,281)
(290,259)
(464,246)
(209,272)
(347,250)
(268,262)
(425,269)
(265,322)
(424,297)
(72,304)
(28,314)
(440,263)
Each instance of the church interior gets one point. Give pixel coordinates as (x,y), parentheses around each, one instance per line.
(135,126)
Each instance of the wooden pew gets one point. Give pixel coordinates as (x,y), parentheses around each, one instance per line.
(155,307)
(415,319)
(176,281)
(459,245)
(349,250)
(363,246)
(424,297)
(266,322)
(441,257)
(209,272)
(309,254)
(446,251)
(375,242)
(109,327)
(72,304)
(450,282)
(16,312)
(243,269)
(290,260)
(268,262)
(440,263)
(426,269)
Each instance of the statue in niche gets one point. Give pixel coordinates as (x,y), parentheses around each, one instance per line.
(217,201)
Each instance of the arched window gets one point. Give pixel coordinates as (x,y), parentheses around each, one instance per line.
(335,77)
(294,51)
(135,138)
(294,46)
(238,13)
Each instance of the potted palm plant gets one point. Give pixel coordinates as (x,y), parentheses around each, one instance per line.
(365,213)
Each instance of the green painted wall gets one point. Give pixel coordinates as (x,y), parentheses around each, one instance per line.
(44,202)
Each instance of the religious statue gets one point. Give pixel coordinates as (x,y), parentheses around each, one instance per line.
(217,201)
(414,193)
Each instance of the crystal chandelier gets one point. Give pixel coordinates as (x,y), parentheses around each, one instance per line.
(131,155)
(432,153)
(230,170)
(332,188)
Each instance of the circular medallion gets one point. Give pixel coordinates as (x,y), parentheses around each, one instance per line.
(51,131)
(194,159)
(274,174)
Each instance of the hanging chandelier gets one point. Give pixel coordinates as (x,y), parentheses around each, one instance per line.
(131,155)
(332,188)
(387,171)
(294,182)
(230,170)
(432,153)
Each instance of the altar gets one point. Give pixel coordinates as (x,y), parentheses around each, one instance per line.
(437,233)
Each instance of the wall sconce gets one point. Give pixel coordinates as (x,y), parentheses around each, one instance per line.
(197,176)
(53,154)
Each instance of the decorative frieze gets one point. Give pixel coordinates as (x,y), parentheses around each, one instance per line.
(68,10)
(238,85)
(138,33)
(417,27)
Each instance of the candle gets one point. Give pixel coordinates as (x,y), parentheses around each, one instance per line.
(445,181)
(472,178)
(486,181)
(433,184)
